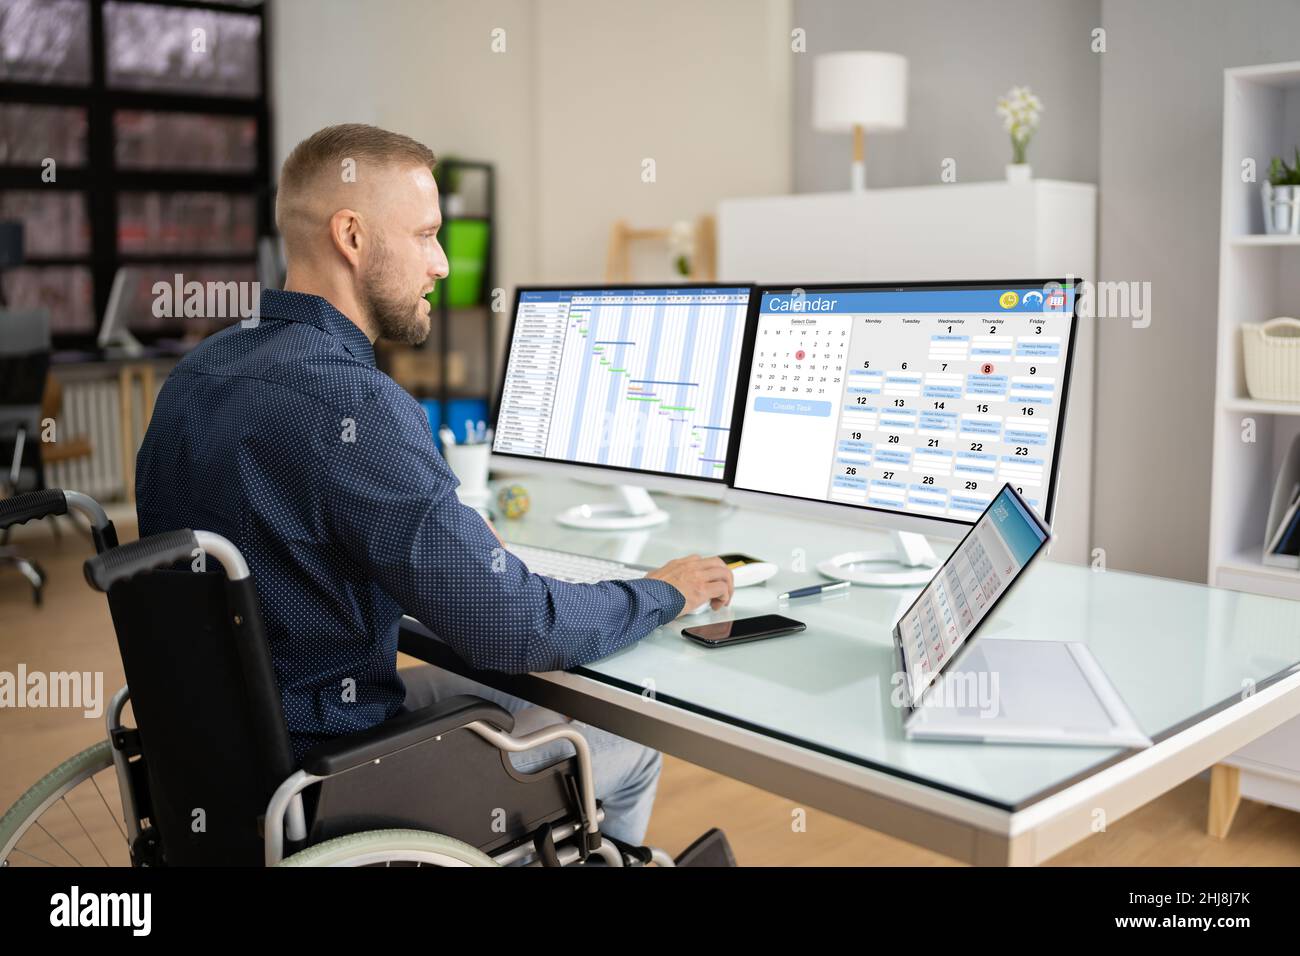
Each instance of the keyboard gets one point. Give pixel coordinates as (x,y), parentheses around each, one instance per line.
(574,568)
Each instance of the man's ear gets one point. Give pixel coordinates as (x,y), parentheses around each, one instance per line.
(347,235)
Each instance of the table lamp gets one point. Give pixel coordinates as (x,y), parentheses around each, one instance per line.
(859,91)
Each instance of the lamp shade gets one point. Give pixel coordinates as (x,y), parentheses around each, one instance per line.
(865,89)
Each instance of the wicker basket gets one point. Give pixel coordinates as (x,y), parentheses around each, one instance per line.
(1272,353)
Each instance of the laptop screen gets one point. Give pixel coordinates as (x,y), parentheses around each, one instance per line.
(978,572)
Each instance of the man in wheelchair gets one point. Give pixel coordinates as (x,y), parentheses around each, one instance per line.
(280,434)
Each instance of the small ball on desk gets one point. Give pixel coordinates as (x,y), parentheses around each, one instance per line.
(513,500)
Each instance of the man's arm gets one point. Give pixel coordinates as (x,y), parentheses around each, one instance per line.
(389,501)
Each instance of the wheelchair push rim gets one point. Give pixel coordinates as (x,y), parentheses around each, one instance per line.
(385,847)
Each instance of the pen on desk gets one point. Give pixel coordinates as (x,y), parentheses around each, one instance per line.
(814,589)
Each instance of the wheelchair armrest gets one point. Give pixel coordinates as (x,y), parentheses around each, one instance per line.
(402,731)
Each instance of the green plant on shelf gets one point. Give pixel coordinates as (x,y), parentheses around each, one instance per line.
(1280,174)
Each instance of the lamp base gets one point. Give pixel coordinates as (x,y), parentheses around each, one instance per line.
(858,176)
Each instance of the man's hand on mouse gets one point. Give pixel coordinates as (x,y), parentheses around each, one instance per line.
(700,580)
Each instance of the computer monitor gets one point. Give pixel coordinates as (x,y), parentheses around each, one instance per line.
(114,336)
(908,406)
(627,385)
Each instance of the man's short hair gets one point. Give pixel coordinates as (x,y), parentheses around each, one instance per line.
(344,151)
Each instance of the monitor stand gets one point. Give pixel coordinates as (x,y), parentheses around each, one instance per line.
(120,344)
(911,550)
(634,509)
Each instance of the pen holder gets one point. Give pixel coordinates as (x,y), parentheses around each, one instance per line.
(469,463)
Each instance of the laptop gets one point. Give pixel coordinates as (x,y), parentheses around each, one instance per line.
(952,687)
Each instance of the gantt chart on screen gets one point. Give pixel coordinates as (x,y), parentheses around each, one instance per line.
(924,401)
(629,378)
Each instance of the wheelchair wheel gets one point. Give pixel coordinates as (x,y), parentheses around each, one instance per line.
(388,847)
(70,817)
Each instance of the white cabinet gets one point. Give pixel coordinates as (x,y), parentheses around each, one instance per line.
(1042,229)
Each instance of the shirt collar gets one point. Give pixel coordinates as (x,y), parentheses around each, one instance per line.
(314,310)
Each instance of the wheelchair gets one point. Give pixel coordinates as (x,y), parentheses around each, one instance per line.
(206,777)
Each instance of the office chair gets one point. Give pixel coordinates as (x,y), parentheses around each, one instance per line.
(24,362)
(207,776)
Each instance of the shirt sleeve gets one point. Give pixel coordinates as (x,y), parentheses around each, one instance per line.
(389,501)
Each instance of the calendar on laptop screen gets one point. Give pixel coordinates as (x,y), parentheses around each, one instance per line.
(921,400)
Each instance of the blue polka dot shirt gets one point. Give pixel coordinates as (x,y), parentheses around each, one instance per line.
(285,438)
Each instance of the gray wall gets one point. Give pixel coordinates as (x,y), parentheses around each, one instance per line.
(1161,156)
(962,56)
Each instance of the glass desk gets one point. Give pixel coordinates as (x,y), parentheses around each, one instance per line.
(809,716)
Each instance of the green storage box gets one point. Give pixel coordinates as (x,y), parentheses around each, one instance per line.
(465,241)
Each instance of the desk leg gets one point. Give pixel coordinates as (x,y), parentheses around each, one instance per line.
(1225,797)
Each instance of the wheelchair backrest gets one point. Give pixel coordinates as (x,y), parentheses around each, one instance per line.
(207,709)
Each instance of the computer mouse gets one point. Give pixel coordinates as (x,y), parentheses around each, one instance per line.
(743,575)
(753,573)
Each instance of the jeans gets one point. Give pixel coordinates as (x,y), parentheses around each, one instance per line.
(626,773)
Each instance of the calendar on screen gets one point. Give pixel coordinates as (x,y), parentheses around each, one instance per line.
(924,400)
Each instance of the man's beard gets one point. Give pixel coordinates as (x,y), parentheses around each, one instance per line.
(397,317)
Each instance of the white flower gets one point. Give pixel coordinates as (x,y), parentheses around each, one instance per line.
(1020,111)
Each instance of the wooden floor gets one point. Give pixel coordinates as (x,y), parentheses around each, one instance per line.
(73,632)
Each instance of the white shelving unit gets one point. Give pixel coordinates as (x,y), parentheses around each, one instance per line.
(1259,278)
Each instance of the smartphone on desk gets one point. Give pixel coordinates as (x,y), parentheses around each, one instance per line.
(724,633)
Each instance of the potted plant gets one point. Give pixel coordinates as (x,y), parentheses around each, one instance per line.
(1282,197)
(1020,110)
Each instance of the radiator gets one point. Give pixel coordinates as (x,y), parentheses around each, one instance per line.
(92,407)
